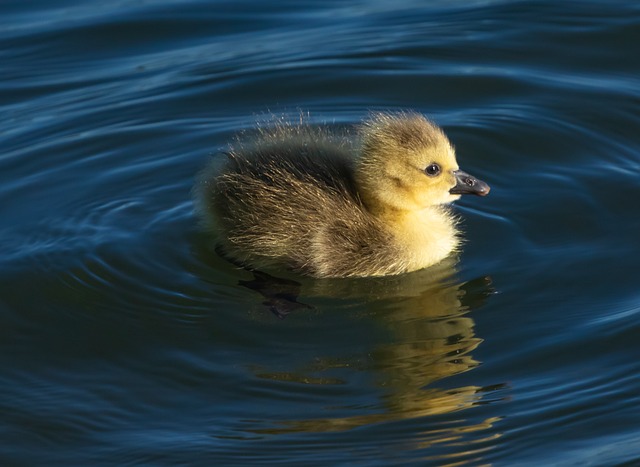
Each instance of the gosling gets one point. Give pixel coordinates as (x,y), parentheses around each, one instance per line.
(300,198)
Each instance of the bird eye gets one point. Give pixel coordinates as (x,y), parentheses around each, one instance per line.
(432,170)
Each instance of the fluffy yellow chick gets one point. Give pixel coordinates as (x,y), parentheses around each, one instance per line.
(298,197)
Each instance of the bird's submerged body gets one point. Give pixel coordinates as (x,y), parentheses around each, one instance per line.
(300,198)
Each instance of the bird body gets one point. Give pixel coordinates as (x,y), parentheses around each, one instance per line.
(301,198)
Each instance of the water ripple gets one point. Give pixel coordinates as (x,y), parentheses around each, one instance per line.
(125,337)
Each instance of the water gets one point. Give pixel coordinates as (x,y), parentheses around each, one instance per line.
(124,339)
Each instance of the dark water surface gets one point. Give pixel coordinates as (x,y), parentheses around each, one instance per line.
(125,340)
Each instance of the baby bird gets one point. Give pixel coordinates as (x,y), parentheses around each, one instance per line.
(298,197)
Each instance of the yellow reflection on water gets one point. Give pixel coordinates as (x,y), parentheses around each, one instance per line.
(432,338)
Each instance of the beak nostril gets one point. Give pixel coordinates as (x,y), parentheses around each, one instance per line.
(467,184)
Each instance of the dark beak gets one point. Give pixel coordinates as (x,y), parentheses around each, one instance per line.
(468,185)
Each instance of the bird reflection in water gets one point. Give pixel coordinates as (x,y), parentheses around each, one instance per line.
(432,338)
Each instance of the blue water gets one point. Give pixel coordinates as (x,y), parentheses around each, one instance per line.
(125,339)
